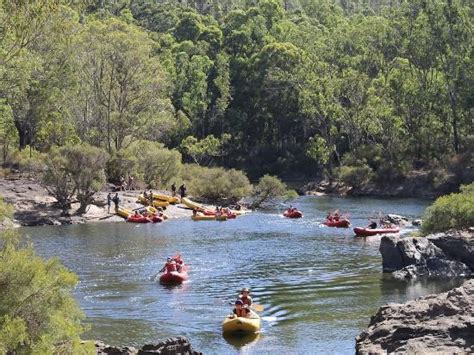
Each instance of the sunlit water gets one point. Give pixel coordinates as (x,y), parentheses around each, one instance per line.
(319,285)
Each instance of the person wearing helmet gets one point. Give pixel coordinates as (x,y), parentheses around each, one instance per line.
(169,266)
(240,309)
(245,297)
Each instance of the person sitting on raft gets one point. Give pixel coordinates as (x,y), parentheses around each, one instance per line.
(372,225)
(245,297)
(170,265)
(336,216)
(240,309)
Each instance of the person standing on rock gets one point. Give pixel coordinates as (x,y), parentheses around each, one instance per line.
(109,202)
(182,190)
(116,200)
(173,189)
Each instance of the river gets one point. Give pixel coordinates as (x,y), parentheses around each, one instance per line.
(319,285)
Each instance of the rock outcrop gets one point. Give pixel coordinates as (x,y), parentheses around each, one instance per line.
(441,323)
(178,345)
(447,254)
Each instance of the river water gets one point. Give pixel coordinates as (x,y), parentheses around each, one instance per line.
(319,285)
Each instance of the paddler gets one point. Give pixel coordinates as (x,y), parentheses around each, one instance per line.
(240,309)
(245,297)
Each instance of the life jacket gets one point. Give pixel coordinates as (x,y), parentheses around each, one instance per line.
(171,267)
(241,312)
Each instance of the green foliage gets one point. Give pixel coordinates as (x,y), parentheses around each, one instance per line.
(269,189)
(203,151)
(75,171)
(216,184)
(297,85)
(452,211)
(354,176)
(38,314)
(154,164)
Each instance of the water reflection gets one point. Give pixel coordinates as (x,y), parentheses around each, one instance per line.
(239,341)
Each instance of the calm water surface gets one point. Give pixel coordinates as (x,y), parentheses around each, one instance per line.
(319,285)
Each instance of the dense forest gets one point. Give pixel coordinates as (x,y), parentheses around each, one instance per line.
(364,89)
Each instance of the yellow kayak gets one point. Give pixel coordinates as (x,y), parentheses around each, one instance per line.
(123,212)
(234,324)
(191,204)
(201,217)
(156,203)
(166,198)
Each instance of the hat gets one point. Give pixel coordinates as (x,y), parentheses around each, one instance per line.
(239,302)
(245,289)
(169,259)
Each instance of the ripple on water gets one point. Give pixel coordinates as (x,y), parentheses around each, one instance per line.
(318,285)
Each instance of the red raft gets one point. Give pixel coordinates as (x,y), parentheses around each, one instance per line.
(137,219)
(365,232)
(174,277)
(342,223)
(293,214)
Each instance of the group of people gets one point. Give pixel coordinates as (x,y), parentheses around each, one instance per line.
(242,304)
(333,216)
(173,264)
(126,184)
(182,190)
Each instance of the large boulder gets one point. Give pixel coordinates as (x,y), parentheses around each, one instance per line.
(448,254)
(441,323)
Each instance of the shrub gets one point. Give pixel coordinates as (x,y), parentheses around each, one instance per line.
(354,176)
(154,164)
(26,160)
(452,211)
(271,188)
(216,183)
(38,315)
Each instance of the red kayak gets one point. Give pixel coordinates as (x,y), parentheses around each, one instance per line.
(137,219)
(174,277)
(293,214)
(342,223)
(364,232)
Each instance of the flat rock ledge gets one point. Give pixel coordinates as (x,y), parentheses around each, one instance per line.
(449,254)
(171,346)
(434,324)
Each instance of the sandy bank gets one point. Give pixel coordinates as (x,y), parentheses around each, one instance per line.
(33,205)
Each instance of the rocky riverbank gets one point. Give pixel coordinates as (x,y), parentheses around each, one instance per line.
(448,254)
(178,345)
(33,206)
(441,323)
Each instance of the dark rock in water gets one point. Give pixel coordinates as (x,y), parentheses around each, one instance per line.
(416,222)
(440,255)
(441,323)
(178,345)
(396,219)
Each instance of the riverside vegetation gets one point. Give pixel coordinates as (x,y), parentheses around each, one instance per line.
(361,92)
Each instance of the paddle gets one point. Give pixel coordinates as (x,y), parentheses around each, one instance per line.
(257,307)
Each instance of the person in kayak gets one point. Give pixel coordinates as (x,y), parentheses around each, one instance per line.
(170,265)
(372,225)
(240,310)
(245,297)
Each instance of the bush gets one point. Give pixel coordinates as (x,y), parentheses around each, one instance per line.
(26,160)
(38,315)
(354,176)
(452,211)
(216,183)
(154,164)
(271,188)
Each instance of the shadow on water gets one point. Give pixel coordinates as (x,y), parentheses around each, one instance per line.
(238,341)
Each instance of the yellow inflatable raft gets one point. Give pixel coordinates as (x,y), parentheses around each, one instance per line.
(123,212)
(234,324)
(156,203)
(166,198)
